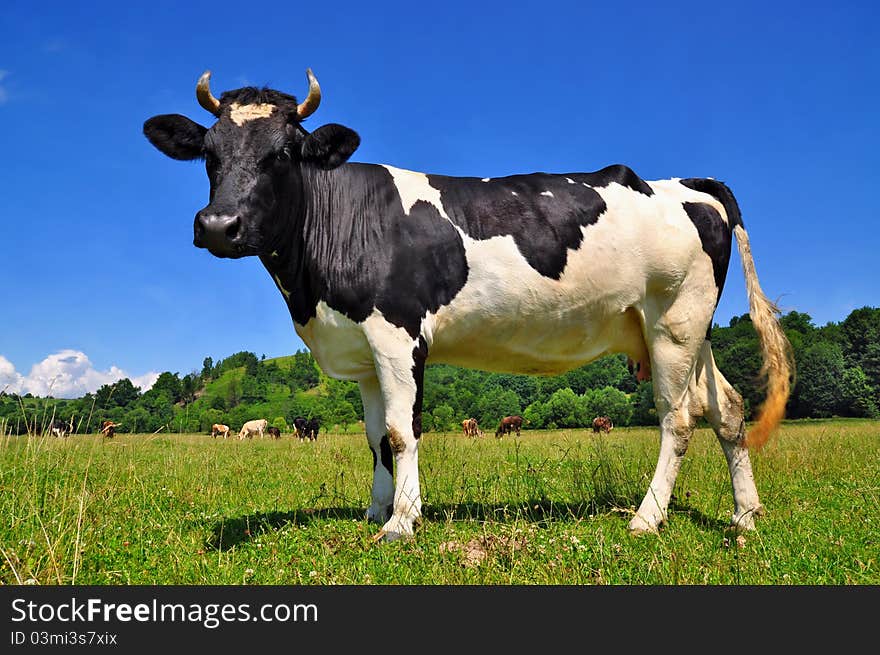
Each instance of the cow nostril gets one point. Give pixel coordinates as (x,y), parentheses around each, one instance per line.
(233,228)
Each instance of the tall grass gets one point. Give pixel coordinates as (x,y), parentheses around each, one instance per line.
(549,507)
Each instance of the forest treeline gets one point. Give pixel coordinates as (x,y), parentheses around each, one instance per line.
(838,374)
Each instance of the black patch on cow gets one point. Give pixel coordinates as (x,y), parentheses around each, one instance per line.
(616,173)
(387,457)
(358,251)
(720,192)
(715,237)
(543,227)
(420,354)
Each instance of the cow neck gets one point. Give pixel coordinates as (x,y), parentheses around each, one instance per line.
(287,266)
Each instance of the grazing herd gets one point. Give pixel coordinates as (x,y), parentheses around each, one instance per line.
(303,428)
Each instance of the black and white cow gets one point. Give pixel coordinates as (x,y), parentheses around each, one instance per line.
(384,270)
(59,428)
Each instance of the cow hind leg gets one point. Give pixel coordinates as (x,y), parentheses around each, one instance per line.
(675,330)
(723,409)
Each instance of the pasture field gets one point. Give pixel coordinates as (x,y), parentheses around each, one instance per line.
(549,507)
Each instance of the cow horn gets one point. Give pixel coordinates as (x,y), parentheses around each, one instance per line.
(308,106)
(206,98)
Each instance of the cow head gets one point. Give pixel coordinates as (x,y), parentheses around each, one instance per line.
(254,156)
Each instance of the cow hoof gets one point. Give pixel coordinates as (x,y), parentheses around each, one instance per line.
(744,521)
(397,527)
(639,526)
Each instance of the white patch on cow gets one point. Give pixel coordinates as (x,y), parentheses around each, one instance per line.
(549,194)
(240,114)
(281,288)
(412,187)
(486,179)
(514,193)
(499,320)
(569,180)
(338,344)
(673,189)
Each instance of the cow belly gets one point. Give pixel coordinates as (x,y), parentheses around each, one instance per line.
(538,344)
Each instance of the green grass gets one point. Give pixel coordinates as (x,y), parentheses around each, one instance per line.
(547,508)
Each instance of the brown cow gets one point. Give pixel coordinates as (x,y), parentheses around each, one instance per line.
(108,429)
(219,428)
(275,432)
(509,424)
(471,428)
(602,423)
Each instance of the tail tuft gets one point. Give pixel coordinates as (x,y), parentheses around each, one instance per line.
(778,366)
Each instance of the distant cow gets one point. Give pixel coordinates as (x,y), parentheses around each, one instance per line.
(249,429)
(603,424)
(108,429)
(61,428)
(275,432)
(306,429)
(509,424)
(219,428)
(471,428)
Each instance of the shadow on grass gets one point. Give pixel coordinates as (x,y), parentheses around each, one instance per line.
(231,532)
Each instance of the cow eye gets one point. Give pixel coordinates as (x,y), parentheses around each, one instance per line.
(283,155)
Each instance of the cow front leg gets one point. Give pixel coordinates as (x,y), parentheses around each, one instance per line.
(400,368)
(382,493)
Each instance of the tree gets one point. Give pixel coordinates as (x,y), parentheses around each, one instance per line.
(819,389)
(610,402)
(118,394)
(495,404)
(207,369)
(188,387)
(444,418)
(644,412)
(304,373)
(170,384)
(857,395)
(565,409)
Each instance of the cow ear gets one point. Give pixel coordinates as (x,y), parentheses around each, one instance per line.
(176,136)
(330,146)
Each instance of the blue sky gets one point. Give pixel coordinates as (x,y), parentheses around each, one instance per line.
(779,100)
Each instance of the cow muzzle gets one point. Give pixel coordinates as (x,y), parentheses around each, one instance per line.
(220,234)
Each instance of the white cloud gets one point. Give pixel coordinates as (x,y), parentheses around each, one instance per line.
(10,380)
(65,374)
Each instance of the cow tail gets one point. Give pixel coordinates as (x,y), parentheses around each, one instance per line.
(778,361)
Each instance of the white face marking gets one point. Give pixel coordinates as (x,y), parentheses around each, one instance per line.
(486,179)
(569,180)
(514,193)
(243,113)
(413,187)
(549,194)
